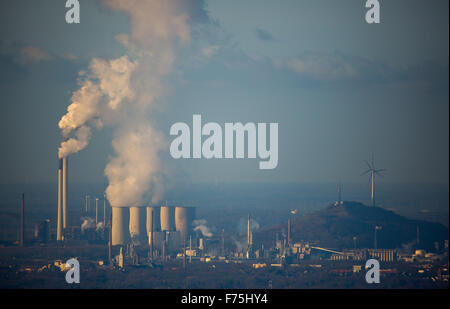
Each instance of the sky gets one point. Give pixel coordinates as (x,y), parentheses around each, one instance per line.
(339,88)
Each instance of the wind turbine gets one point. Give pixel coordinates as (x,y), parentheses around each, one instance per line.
(373,171)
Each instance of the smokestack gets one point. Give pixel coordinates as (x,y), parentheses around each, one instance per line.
(120,232)
(167,218)
(96,211)
(64,192)
(138,224)
(248,231)
(183,220)
(223,242)
(150,229)
(289,233)
(22,222)
(59,234)
(104,209)
(109,244)
(190,249)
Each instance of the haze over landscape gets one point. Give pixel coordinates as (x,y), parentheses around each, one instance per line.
(362,143)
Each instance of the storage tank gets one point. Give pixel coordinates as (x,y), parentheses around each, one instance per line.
(183,221)
(120,226)
(138,231)
(167,218)
(153,216)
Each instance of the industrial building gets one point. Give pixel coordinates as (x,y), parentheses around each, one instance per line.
(152,225)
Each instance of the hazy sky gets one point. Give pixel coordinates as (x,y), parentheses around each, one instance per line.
(339,88)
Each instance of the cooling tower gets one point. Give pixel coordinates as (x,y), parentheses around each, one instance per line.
(153,216)
(183,221)
(59,234)
(120,232)
(64,192)
(167,218)
(138,231)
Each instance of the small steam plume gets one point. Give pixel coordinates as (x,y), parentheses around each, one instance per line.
(241,245)
(99,226)
(88,223)
(242,226)
(200,225)
(125,92)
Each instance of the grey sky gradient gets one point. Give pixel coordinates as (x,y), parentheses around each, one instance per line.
(339,88)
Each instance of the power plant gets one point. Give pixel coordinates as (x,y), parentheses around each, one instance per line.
(166,225)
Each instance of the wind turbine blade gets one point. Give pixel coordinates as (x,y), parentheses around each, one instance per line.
(381,170)
(365,172)
(370,167)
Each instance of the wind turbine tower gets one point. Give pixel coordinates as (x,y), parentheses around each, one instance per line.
(373,171)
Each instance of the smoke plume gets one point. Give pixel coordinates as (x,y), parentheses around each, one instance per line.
(242,225)
(88,223)
(126,92)
(200,225)
(99,226)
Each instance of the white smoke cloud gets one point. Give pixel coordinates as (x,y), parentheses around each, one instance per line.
(99,226)
(114,79)
(155,21)
(125,92)
(75,144)
(136,167)
(107,83)
(241,245)
(88,223)
(242,225)
(200,225)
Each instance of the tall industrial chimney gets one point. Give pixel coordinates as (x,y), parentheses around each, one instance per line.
(22,220)
(104,209)
(138,225)
(120,232)
(248,232)
(64,192)
(96,211)
(289,232)
(59,233)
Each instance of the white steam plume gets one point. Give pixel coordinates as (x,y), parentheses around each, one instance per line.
(125,92)
(135,169)
(88,223)
(77,143)
(200,225)
(106,86)
(99,226)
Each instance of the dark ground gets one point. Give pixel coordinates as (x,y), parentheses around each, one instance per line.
(198,275)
